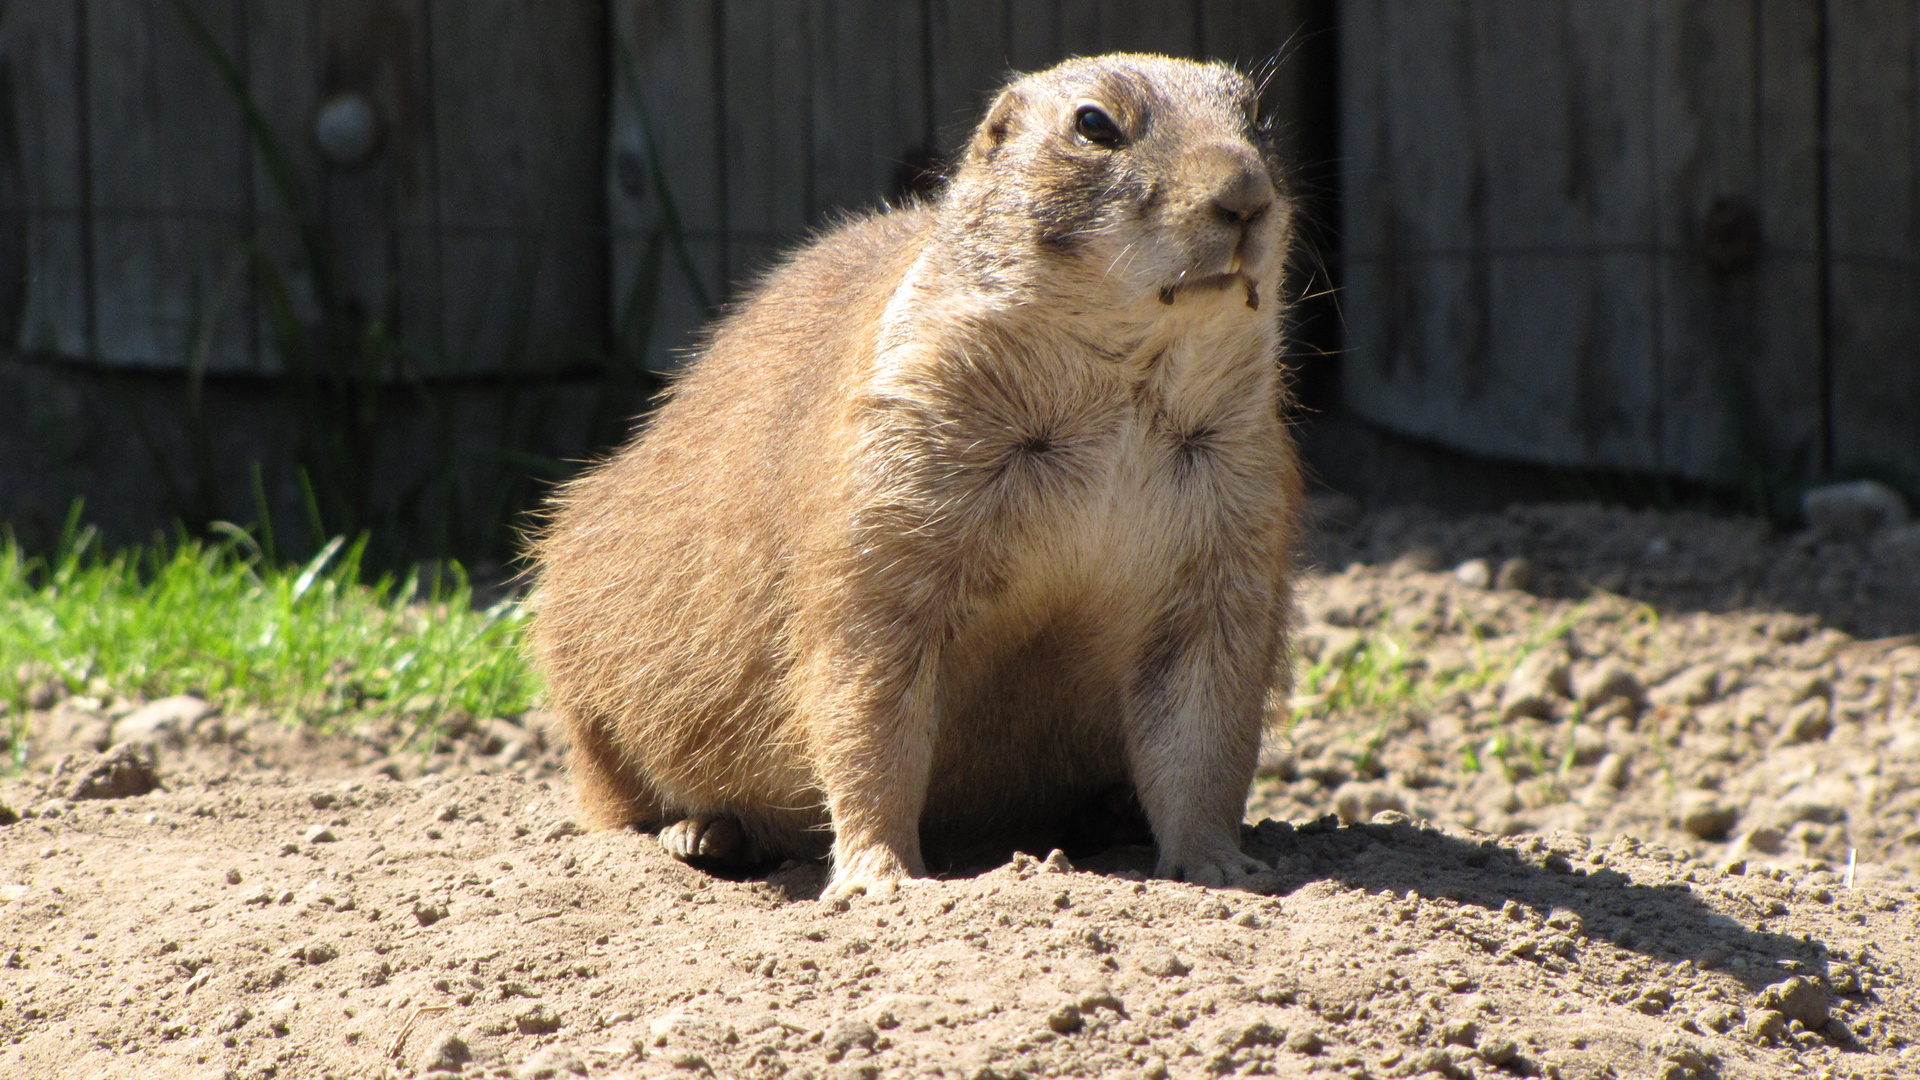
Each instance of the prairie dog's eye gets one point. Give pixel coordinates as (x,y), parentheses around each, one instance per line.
(1262,124)
(1092,123)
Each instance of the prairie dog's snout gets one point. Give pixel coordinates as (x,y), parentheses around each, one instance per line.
(1243,190)
(1243,194)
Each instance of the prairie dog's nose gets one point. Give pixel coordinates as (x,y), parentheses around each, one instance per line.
(1245,190)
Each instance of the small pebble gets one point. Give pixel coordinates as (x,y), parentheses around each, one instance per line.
(1765,1024)
(445,1054)
(1809,721)
(1853,510)
(1800,998)
(537,1019)
(1474,573)
(1497,1052)
(1516,574)
(847,1035)
(551,1063)
(1706,815)
(1419,560)
(1164,963)
(1212,909)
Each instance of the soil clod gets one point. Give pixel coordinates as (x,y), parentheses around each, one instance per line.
(122,772)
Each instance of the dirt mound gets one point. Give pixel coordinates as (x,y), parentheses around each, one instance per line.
(262,927)
(1753,734)
(1531,833)
(1867,586)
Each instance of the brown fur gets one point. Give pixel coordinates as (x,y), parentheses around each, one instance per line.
(968,512)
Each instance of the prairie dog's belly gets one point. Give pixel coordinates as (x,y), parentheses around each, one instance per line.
(1033,685)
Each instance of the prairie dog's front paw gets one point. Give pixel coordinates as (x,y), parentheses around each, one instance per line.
(704,838)
(1213,867)
(874,870)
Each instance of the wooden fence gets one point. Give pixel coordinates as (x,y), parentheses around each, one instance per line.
(1675,237)
(477,228)
(769,117)
(505,216)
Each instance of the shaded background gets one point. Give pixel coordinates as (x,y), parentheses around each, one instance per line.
(1651,252)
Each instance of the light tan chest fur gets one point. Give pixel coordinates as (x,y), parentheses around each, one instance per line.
(1072,487)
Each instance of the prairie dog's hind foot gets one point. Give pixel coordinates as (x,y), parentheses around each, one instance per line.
(1214,869)
(707,839)
(874,870)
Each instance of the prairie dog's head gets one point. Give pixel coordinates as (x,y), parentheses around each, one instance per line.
(1144,175)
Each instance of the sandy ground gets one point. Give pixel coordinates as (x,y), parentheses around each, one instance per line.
(1623,855)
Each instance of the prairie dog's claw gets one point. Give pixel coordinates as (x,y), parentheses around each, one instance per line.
(707,839)
(875,872)
(1213,869)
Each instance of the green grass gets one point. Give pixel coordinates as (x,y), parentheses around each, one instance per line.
(315,643)
(1373,684)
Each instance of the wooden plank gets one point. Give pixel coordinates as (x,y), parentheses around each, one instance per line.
(519,127)
(972,52)
(769,145)
(1568,195)
(1152,26)
(1567,109)
(1738,205)
(1498,292)
(1780,413)
(1874,217)
(381,215)
(1034,40)
(670,93)
(869,116)
(1081,32)
(1412,134)
(1704,81)
(1528,231)
(43,157)
(171,192)
(1368,236)
(1252,34)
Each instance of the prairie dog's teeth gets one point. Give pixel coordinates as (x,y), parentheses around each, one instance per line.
(1233,264)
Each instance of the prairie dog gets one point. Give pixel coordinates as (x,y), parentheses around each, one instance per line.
(968,511)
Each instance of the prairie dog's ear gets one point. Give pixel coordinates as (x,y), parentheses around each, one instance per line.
(996,127)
